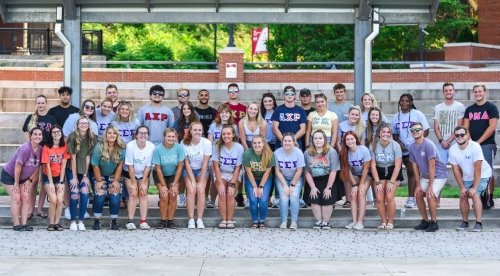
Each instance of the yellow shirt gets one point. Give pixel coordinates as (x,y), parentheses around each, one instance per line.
(322,122)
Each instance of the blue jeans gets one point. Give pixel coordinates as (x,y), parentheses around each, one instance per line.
(79,194)
(258,206)
(293,200)
(100,196)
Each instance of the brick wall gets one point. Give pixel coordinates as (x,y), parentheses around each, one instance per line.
(471,51)
(489,21)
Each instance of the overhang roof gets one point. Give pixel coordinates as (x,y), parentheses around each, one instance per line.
(393,12)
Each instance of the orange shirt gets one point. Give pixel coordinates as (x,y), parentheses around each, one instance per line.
(55,157)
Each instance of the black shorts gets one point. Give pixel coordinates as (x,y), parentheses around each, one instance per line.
(321,182)
(7,179)
(382,175)
(126,175)
(168,179)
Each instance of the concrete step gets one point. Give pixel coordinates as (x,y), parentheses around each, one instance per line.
(447,218)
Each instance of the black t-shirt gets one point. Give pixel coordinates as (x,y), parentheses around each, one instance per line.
(479,117)
(44,122)
(207,116)
(62,113)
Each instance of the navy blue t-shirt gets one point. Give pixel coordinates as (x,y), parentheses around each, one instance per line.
(289,118)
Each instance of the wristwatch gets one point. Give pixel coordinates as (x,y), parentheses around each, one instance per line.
(440,140)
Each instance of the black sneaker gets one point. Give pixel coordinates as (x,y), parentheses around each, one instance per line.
(240,200)
(422,226)
(464,225)
(114,225)
(97,225)
(491,203)
(171,224)
(162,224)
(28,228)
(433,227)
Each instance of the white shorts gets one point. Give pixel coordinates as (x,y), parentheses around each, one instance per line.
(228,176)
(437,185)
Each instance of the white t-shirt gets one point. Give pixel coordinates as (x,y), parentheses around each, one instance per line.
(447,116)
(196,153)
(465,160)
(139,158)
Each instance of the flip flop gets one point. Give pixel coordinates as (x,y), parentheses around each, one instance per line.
(41,215)
(30,216)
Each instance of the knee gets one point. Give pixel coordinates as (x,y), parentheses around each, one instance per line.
(16,199)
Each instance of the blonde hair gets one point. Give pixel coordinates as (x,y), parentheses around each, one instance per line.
(34,117)
(267,153)
(88,134)
(258,118)
(131,115)
(326,146)
(114,154)
(359,125)
(372,97)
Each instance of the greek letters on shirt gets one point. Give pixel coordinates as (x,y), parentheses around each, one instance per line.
(356,163)
(44,126)
(155,116)
(287,164)
(126,132)
(320,121)
(385,157)
(476,116)
(257,166)
(227,161)
(403,125)
(103,126)
(289,117)
(56,158)
(238,114)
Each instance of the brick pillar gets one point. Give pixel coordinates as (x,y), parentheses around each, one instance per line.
(230,59)
(489,21)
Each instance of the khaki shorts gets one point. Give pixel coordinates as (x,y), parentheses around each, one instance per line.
(437,186)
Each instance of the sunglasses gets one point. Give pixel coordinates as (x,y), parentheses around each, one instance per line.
(182,95)
(289,93)
(461,135)
(91,107)
(414,130)
(158,94)
(233,91)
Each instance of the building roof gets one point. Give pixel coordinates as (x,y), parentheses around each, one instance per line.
(392,12)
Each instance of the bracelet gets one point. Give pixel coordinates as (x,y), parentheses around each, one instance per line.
(262,187)
(329,188)
(440,140)
(392,182)
(232,185)
(31,180)
(378,182)
(292,185)
(355,185)
(61,182)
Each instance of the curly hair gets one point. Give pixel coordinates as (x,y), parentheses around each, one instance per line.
(107,154)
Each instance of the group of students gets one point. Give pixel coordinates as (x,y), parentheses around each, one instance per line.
(335,150)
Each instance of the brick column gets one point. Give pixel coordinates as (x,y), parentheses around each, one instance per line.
(489,21)
(231,58)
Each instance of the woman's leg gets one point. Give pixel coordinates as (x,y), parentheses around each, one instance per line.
(84,199)
(316,210)
(200,198)
(114,201)
(363,187)
(41,198)
(133,192)
(264,199)
(25,202)
(295,201)
(326,213)
(223,200)
(51,193)
(231,204)
(15,203)
(252,200)
(381,201)
(74,196)
(391,202)
(172,206)
(60,192)
(99,197)
(283,201)
(190,197)
(164,201)
(354,202)
(143,198)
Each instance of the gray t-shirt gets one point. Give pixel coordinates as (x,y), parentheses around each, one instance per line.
(103,121)
(228,159)
(386,156)
(216,130)
(421,154)
(289,162)
(342,110)
(156,119)
(358,158)
(320,164)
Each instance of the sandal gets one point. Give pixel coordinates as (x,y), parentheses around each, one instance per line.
(223,224)
(254,226)
(30,216)
(262,225)
(230,225)
(51,227)
(382,226)
(27,227)
(18,227)
(389,226)
(42,215)
(347,204)
(58,227)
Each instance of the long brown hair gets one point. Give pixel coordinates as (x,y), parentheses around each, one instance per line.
(220,142)
(89,135)
(221,108)
(345,173)
(326,146)
(370,125)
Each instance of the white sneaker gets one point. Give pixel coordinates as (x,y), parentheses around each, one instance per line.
(182,201)
(67,213)
(350,225)
(191,224)
(410,203)
(199,224)
(86,215)
(293,225)
(130,226)
(81,226)
(358,226)
(73,226)
(144,226)
(283,225)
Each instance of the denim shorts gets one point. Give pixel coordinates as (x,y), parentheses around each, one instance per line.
(7,179)
(55,180)
(483,184)
(196,173)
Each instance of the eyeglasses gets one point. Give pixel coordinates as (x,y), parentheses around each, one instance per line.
(142,133)
(461,135)
(233,91)
(91,107)
(414,130)
(155,93)
(182,95)
(289,93)
(56,132)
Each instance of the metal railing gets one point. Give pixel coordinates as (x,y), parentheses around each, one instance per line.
(32,41)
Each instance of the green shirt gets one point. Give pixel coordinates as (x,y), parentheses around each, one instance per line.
(85,150)
(254,161)
(107,168)
(168,158)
